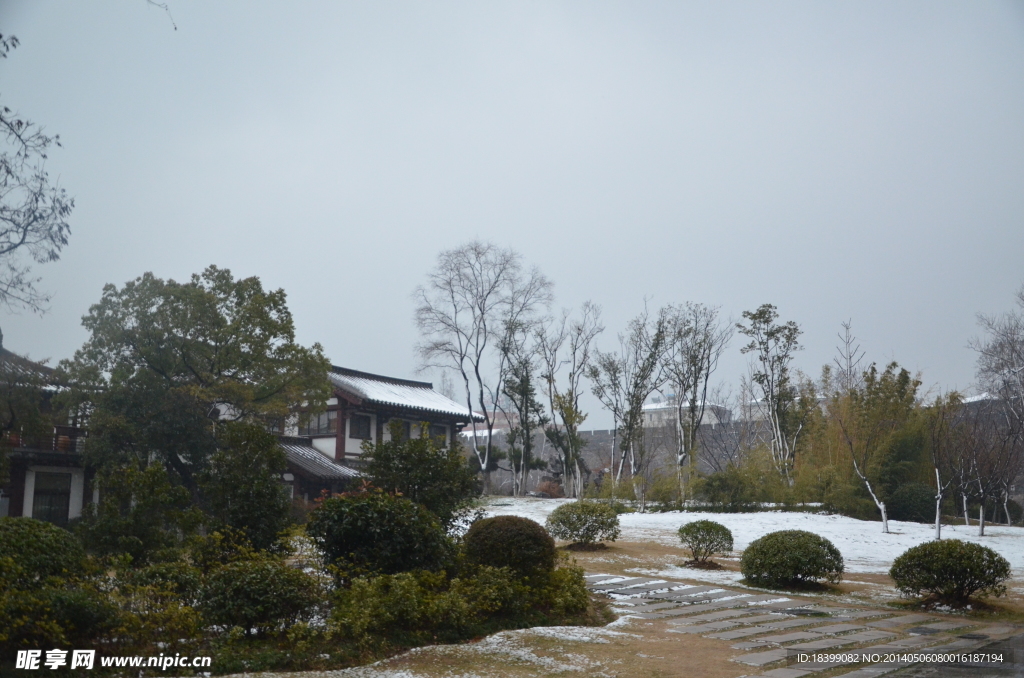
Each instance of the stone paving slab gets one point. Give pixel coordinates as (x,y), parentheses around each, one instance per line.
(837,628)
(713,595)
(688,591)
(614,586)
(786,672)
(763,658)
(764,602)
(839,641)
(643,608)
(785,638)
(904,643)
(741,633)
(686,610)
(862,614)
(948,625)
(705,628)
(772,656)
(724,614)
(900,621)
(799,621)
(662,614)
(644,589)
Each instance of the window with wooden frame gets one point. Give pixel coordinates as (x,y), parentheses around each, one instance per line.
(438,431)
(325,423)
(360,426)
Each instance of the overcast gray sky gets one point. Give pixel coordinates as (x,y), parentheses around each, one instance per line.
(858,161)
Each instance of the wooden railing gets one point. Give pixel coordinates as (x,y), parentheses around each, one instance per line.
(67,439)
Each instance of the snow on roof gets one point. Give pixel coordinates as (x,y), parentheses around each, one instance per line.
(316,464)
(416,395)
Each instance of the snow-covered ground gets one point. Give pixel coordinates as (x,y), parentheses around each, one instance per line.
(863,545)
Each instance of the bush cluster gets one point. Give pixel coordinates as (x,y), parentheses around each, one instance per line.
(386,612)
(584,522)
(259,596)
(791,558)
(370,532)
(519,544)
(399,581)
(950,570)
(705,538)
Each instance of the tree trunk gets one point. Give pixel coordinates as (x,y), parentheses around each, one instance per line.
(967,518)
(938,506)
(1006,508)
(981,518)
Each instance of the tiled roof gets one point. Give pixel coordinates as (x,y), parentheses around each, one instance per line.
(13,365)
(415,395)
(316,464)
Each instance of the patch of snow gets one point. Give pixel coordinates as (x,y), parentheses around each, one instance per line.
(863,545)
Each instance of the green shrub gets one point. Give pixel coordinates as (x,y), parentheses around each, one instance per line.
(425,471)
(260,595)
(83,613)
(951,570)
(913,502)
(705,538)
(791,557)
(178,578)
(386,612)
(517,543)
(40,550)
(370,532)
(241,483)
(584,522)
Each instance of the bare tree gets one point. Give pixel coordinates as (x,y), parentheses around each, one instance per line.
(477,300)
(773,345)
(523,411)
(1001,357)
(942,427)
(566,348)
(991,448)
(623,382)
(33,211)
(695,341)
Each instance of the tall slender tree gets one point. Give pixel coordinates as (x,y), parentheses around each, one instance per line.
(773,345)
(623,382)
(695,340)
(477,299)
(566,351)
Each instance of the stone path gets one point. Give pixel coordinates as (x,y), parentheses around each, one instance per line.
(774,629)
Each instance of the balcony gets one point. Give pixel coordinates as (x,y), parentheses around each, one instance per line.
(65,439)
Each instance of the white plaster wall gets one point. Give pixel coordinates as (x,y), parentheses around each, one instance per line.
(76,501)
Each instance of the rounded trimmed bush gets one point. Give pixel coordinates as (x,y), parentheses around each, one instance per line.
(258,594)
(791,557)
(705,538)
(40,550)
(517,543)
(584,522)
(951,570)
(374,532)
(913,502)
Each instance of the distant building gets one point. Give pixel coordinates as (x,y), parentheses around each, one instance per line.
(47,479)
(325,452)
(661,411)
